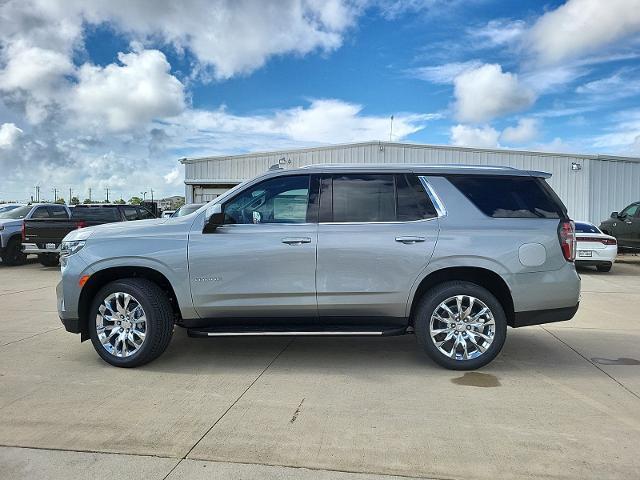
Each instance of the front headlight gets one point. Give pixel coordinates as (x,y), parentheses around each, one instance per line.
(70,247)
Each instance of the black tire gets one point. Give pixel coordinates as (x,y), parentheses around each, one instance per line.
(13,254)
(159,321)
(427,307)
(49,259)
(604,268)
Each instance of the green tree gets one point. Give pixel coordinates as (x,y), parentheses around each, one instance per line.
(120,202)
(135,200)
(75,200)
(87,200)
(60,201)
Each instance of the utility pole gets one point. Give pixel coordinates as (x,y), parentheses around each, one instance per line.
(107,190)
(152,195)
(55,194)
(391,130)
(37,194)
(89,194)
(70,197)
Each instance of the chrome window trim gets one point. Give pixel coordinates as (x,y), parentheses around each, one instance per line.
(435,199)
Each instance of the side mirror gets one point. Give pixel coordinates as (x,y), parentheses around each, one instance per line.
(215,218)
(614,214)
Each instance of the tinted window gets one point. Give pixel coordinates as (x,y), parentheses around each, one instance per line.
(586,228)
(187,209)
(631,210)
(364,198)
(130,213)
(40,212)
(145,214)
(58,212)
(96,214)
(279,200)
(413,201)
(510,197)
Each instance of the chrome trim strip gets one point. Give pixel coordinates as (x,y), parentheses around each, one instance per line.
(32,248)
(435,199)
(287,334)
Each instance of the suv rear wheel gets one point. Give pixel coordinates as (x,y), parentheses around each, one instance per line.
(131,322)
(460,325)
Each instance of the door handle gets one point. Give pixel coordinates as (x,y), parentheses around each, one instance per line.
(296,240)
(409,240)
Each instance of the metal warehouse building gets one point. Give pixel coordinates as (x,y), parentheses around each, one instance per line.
(592,186)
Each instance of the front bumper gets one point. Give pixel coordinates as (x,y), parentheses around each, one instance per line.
(70,320)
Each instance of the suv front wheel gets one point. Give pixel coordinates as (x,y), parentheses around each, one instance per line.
(460,325)
(131,322)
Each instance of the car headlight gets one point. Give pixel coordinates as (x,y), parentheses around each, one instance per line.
(70,247)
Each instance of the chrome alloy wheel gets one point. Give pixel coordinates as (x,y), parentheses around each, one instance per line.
(462,327)
(121,324)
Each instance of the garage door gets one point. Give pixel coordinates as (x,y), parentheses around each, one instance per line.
(203,194)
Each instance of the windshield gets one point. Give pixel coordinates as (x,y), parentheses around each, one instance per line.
(187,209)
(6,208)
(16,213)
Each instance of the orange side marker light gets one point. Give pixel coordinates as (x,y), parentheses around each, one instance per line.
(83,280)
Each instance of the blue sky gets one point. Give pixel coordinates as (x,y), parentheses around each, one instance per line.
(93,96)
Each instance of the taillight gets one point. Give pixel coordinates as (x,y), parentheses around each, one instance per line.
(604,241)
(24,232)
(81,224)
(567,237)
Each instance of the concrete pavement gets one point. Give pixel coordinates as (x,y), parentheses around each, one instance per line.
(561,401)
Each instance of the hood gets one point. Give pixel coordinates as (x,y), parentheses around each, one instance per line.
(137,228)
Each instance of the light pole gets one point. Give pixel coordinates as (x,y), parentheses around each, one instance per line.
(144,195)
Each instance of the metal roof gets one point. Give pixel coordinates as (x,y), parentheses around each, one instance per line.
(383,144)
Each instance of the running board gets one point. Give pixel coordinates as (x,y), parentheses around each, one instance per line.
(294,332)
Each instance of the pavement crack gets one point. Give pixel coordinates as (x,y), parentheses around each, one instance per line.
(24,291)
(592,363)
(30,336)
(297,412)
(230,407)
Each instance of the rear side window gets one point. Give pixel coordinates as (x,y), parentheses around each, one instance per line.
(586,228)
(95,214)
(130,213)
(41,212)
(145,214)
(413,201)
(364,198)
(510,197)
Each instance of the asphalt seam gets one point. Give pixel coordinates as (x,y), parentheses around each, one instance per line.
(592,363)
(30,336)
(180,459)
(229,408)
(24,291)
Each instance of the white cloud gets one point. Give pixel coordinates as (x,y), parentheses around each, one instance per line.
(487,92)
(445,73)
(9,135)
(618,85)
(174,177)
(467,136)
(581,27)
(525,131)
(499,32)
(120,97)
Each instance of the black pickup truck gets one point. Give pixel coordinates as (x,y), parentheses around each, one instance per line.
(43,236)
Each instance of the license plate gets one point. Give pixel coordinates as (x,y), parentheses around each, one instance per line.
(585,253)
(50,246)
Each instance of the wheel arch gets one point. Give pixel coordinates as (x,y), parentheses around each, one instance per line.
(102,277)
(481,276)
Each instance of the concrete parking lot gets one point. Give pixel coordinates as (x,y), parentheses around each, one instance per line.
(561,401)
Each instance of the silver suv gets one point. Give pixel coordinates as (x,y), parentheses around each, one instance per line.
(451,254)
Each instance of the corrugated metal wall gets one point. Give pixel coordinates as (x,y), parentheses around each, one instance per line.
(590,193)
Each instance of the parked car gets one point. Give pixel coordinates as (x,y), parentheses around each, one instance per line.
(187,209)
(43,236)
(5,207)
(595,249)
(452,254)
(625,227)
(11,224)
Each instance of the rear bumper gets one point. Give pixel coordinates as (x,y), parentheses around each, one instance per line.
(593,263)
(538,317)
(32,248)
